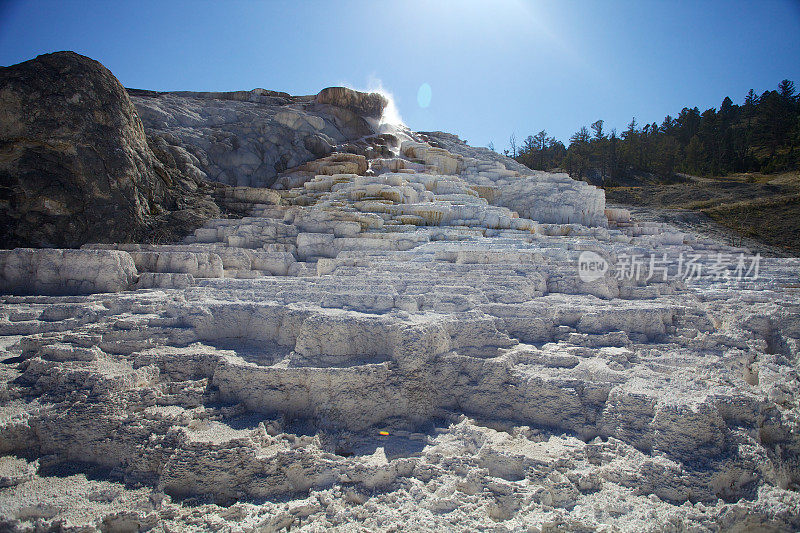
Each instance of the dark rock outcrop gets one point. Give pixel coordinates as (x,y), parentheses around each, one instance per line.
(75,164)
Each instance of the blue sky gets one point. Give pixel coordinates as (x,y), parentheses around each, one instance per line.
(491,68)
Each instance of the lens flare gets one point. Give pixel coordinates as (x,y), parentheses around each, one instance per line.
(424,95)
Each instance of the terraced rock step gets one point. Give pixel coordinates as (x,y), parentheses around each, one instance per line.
(412,345)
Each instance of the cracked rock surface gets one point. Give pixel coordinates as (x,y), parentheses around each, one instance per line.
(249,138)
(408,346)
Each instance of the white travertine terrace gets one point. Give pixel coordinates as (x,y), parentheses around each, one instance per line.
(436,299)
(31,271)
(546,197)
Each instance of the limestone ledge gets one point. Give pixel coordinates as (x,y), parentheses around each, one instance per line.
(54,271)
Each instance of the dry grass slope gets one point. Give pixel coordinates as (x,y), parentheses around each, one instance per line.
(762,207)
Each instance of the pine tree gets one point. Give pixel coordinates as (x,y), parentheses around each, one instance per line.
(786,89)
(541,139)
(598,129)
(612,155)
(695,156)
(751,100)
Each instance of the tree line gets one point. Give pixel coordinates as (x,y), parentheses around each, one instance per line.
(761,135)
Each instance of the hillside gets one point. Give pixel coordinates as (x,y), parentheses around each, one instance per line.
(762,207)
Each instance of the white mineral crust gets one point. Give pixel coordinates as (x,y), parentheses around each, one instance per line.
(411,349)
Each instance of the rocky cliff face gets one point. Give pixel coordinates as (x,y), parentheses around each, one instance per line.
(250,137)
(75,164)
